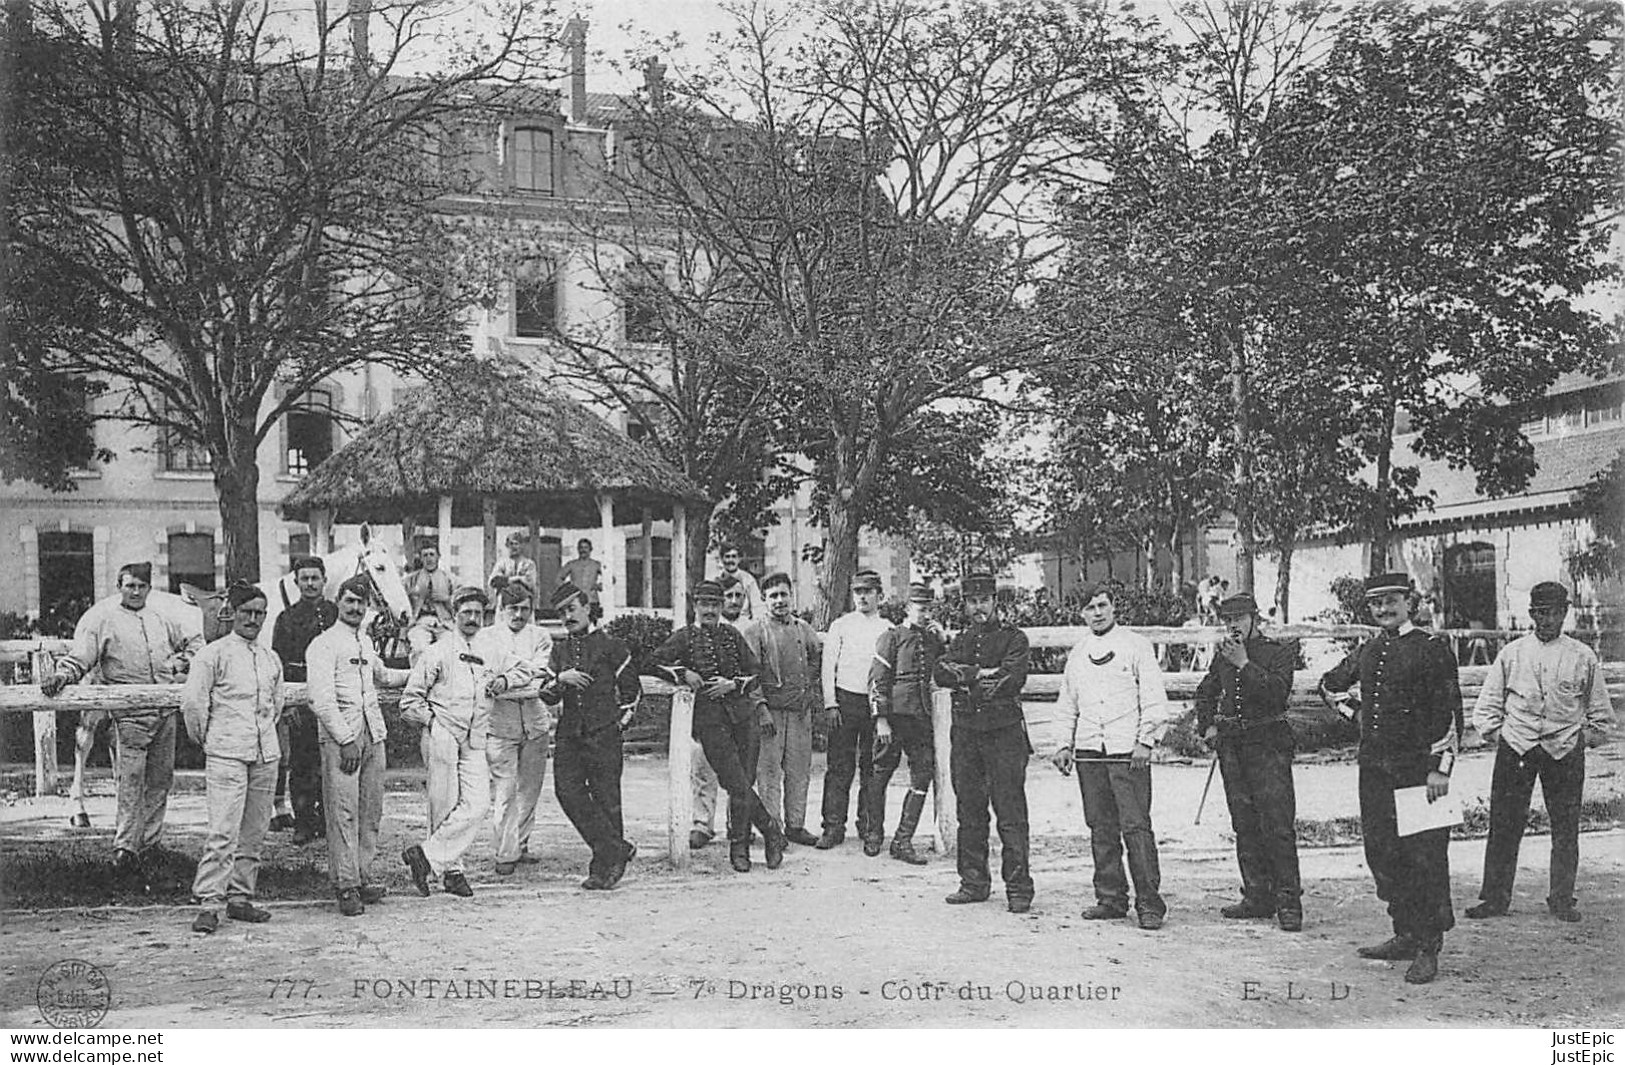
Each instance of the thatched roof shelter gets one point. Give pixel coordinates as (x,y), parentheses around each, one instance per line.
(496,436)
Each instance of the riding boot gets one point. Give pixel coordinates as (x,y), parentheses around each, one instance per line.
(873,832)
(902,844)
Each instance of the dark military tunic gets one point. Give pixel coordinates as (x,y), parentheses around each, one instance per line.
(1410,724)
(900,692)
(587,739)
(1248,707)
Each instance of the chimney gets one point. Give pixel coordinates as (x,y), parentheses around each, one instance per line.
(654,81)
(360,14)
(575,37)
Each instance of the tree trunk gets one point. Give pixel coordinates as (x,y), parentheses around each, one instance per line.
(1242,488)
(840,561)
(1283,581)
(1151,541)
(1381,519)
(699,542)
(237,484)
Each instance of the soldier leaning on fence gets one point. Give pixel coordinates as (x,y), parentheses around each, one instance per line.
(597,690)
(344,673)
(1241,711)
(1117,708)
(730,715)
(900,695)
(301,769)
(520,656)
(129,642)
(985,667)
(1410,730)
(1544,701)
(231,704)
(448,695)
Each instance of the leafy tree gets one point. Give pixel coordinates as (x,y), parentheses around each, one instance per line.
(245,212)
(1602,501)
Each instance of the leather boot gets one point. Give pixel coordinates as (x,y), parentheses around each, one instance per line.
(902,844)
(774,843)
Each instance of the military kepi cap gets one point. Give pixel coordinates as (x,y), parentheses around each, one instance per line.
(240,592)
(141,571)
(359,586)
(1548,593)
(1238,605)
(1379,584)
(469,594)
(707,590)
(866,578)
(515,591)
(919,592)
(564,593)
(980,582)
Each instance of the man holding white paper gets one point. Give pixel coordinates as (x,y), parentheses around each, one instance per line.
(1410,730)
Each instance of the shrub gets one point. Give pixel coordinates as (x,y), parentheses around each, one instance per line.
(643,633)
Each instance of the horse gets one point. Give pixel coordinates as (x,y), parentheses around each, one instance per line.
(207,614)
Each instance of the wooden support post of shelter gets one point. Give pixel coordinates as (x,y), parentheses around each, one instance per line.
(443,534)
(488,521)
(679,789)
(647,600)
(679,565)
(534,528)
(610,566)
(321,531)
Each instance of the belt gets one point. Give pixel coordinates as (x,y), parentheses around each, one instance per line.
(1246,722)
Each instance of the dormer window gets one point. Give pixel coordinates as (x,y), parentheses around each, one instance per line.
(530,154)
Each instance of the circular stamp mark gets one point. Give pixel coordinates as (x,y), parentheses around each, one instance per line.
(73,994)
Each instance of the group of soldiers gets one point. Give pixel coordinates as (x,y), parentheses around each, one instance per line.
(490,697)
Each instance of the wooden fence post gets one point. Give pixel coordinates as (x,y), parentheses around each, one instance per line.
(43,666)
(679,764)
(942,717)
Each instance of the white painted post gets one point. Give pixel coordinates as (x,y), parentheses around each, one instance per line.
(321,531)
(679,764)
(443,531)
(679,566)
(942,717)
(44,731)
(611,557)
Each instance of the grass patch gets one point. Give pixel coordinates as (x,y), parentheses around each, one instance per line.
(1596,815)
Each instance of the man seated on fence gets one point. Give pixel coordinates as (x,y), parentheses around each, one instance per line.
(344,673)
(596,691)
(900,694)
(518,566)
(1241,712)
(429,589)
(1115,707)
(130,642)
(448,694)
(702,777)
(301,769)
(791,660)
(985,667)
(730,714)
(1544,701)
(231,704)
(519,654)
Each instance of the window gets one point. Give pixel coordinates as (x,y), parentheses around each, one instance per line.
(309,434)
(180,453)
(536,301)
(1602,409)
(191,561)
(640,418)
(67,578)
(643,302)
(532,158)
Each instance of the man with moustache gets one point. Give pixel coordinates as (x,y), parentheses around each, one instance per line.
(519,655)
(1241,711)
(231,703)
(344,674)
(597,690)
(900,693)
(730,714)
(849,650)
(448,694)
(790,657)
(1410,730)
(1543,703)
(300,772)
(985,668)
(129,642)
(702,778)
(1116,706)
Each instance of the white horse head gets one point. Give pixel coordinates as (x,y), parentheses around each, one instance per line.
(375,561)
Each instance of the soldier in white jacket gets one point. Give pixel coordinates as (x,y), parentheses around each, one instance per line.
(1112,695)
(518,654)
(231,702)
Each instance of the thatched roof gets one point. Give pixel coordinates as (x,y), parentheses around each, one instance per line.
(497,434)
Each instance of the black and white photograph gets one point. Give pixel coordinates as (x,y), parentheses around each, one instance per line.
(826,515)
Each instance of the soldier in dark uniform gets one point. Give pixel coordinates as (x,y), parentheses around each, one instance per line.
(900,698)
(594,681)
(1410,730)
(1241,711)
(300,775)
(985,668)
(730,714)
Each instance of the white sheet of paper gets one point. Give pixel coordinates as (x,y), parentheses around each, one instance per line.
(1415,814)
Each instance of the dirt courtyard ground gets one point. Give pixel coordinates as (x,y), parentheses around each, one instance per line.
(839,940)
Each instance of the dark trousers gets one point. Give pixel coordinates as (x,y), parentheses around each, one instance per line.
(910,736)
(991,766)
(851,753)
(1412,872)
(1512,783)
(1117,809)
(587,781)
(299,775)
(1263,813)
(732,747)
